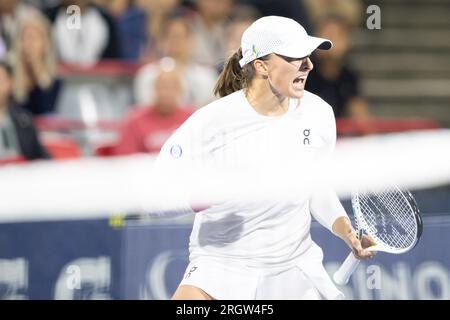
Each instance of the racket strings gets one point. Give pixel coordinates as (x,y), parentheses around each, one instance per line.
(400,211)
(388,217)
(394,227)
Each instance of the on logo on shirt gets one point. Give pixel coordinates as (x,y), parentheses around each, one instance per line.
(306,138)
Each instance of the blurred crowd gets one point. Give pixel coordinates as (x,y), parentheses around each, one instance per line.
(179,46)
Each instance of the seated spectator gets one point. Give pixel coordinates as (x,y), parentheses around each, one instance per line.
(351,11)
(95,40)
(332,79)
(158,13)
(146,129)
(294,9)
(209,28)
(243,16)
(36,86)
(197,80)
(18,136)
(113,48)
(131,21)
(2,49)
(12,13)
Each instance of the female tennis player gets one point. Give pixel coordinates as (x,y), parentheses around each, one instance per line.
(264,120)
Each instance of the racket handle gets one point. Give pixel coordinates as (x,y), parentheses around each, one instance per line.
(344,272)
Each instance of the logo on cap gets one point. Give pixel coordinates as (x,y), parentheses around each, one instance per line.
(255,52)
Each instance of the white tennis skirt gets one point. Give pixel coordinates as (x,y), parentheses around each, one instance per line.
(230,281)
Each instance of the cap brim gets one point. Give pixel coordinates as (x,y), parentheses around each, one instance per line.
(303,48)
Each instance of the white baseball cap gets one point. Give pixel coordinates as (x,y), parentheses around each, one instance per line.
(284,36)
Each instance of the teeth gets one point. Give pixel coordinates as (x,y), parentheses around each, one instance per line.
(300,79)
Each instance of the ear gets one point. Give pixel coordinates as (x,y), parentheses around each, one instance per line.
(261,68)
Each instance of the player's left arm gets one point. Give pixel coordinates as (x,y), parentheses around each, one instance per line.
(327,209)
(325,205)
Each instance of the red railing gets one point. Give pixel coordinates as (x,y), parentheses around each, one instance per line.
(352,127)
(115,68)
(61,149)
(68,148)
(12,160)
(56,123)
(344,126)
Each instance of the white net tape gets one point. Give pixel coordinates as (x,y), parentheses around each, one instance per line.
(91,188)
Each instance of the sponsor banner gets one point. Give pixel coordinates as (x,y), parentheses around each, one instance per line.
(423,273)
(59,260)
(91,260)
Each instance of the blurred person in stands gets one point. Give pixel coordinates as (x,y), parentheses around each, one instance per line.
(36,85)
(242,17)
(12,13)
(146,129)
(177,43)
(333,79)
(350,10)
(2,49)
(209,29)
(294,9)
(96,39)
(18,136)
(159,12)
(131,21)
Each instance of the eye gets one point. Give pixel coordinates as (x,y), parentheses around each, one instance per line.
(289,59)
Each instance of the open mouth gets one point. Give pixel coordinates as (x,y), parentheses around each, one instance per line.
(300,80)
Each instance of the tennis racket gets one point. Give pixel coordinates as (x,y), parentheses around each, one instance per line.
(391,217)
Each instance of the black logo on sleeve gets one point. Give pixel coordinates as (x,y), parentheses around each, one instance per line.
(306,134)
(190,271)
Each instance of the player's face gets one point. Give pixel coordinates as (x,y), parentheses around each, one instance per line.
(288,75)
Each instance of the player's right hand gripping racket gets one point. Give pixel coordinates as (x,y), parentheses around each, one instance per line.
(390,217)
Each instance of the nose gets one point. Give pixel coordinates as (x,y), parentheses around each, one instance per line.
(307,65)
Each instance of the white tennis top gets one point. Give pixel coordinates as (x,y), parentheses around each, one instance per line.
(229,133)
